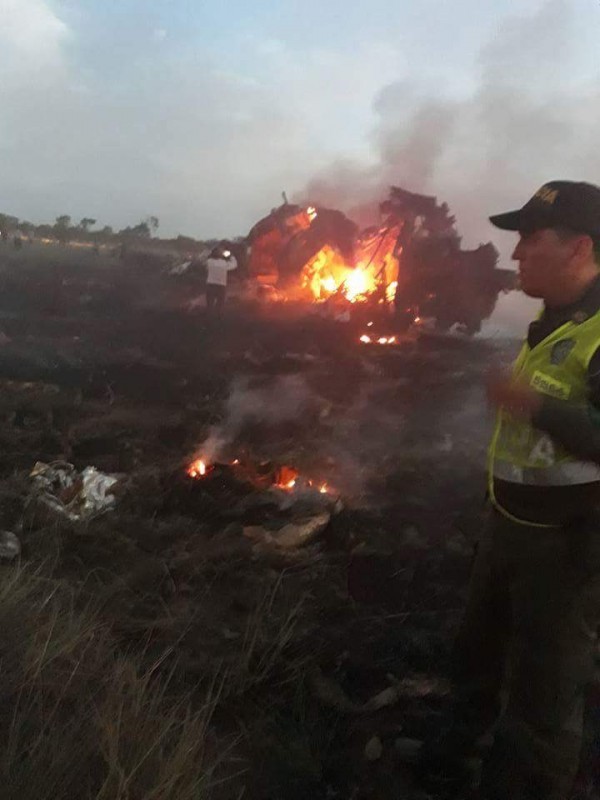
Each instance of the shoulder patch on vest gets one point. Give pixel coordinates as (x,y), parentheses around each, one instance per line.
(561,350)
(550,386)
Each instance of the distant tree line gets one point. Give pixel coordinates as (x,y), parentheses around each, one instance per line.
(65,229)
(132,238)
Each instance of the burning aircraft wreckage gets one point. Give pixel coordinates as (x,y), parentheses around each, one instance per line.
(409,268)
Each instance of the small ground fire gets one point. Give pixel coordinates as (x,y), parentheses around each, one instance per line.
(366,339)
(197,469)
(284,477)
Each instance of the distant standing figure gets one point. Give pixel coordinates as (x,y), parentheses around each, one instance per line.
(218,264)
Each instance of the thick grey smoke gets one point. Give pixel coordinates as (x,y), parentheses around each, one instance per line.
(524,122)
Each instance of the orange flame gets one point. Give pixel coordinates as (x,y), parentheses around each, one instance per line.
(390,291)
(365,339)
(327,274)
(286,478)
(328,284)
(358,284)
(197,469)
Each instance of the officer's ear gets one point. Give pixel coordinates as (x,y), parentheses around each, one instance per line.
(580,245)
(582,249)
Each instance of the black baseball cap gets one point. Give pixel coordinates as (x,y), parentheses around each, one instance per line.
(557,204)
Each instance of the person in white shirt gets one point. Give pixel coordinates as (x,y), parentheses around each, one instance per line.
(218,265)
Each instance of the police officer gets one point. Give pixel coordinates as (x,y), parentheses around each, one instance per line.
(525,653)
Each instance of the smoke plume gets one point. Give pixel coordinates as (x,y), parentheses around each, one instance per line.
(280,400)
(487,150)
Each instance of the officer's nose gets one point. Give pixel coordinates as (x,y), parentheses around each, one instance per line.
(517,253)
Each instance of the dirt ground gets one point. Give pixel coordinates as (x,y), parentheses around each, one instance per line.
(103,364)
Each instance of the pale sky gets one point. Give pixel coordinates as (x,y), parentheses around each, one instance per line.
(202,112)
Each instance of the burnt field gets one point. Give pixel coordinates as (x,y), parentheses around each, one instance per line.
(244,633)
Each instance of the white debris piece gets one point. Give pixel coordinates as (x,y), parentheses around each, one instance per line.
(447,444)
(180,269)
(332,695)
(76,495)
(10,546)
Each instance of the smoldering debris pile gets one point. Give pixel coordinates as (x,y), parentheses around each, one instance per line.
(232,477)
(274,505)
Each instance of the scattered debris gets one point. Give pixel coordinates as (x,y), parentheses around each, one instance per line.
(295,535)
(373,749)
(458,545)
(291,536)
(10,546)
(199,301)
(332,695)
(447,444)
(77,496)
(180,269)
(388,697)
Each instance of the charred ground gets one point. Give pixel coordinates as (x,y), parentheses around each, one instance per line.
(102,365)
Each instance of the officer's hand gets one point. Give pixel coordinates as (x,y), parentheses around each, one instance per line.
(516,397)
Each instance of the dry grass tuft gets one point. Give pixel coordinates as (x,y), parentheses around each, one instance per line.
(78,720)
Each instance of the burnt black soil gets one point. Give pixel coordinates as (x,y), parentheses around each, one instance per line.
(103,365)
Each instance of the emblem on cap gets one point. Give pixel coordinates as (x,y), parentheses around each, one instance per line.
(547,195)
(561,350)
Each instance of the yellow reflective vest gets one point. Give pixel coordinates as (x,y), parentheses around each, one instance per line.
(557,367)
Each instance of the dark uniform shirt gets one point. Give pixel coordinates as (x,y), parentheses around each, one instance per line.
(575,426)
